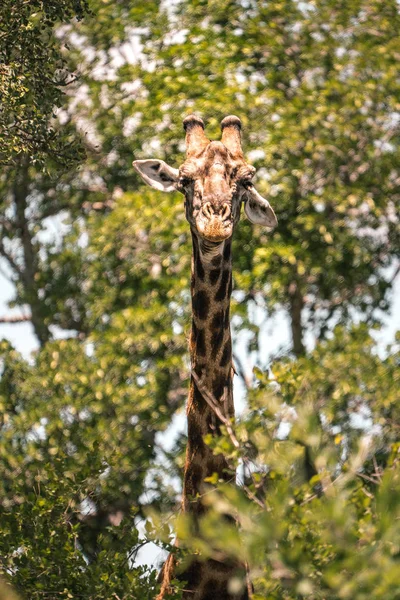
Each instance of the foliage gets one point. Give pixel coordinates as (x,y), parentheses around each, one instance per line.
(317,89)
(33,73)
(64,449)
(82,419)
(319,503)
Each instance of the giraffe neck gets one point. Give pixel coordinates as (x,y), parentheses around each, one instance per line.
(211,361)
(211,286)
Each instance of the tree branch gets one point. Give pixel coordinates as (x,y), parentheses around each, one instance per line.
(214,405)
(15,319)
(241,371)
(27,275)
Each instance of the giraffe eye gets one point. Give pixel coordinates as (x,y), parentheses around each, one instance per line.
(185,181)
(247,184)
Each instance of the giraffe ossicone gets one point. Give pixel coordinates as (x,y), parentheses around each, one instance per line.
(215,180)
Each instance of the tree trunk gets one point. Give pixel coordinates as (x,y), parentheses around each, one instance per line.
(30,268)
(296,307)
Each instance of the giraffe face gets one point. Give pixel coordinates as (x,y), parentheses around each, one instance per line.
(213,184)
(215,180)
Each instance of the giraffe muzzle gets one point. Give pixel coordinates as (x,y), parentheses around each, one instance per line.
(214,222)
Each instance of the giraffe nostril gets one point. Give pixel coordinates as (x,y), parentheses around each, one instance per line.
(226,211)
(207,210)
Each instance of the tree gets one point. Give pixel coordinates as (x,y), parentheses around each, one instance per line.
(319,505)
(316,88)
(33,74)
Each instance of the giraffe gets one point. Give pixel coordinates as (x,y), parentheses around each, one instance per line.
(215,180)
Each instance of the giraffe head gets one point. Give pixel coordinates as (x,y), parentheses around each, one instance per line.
(215,180)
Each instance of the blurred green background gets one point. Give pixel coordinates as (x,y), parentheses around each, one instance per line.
(95,281)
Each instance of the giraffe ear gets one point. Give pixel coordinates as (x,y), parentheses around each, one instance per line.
(258,210)
(158,174)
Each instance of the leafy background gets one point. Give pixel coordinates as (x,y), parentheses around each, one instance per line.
(98,267)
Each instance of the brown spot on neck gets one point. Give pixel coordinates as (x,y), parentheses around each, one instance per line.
(222,291)
(213,276)
(227,250)
(216,260)
(201,305)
